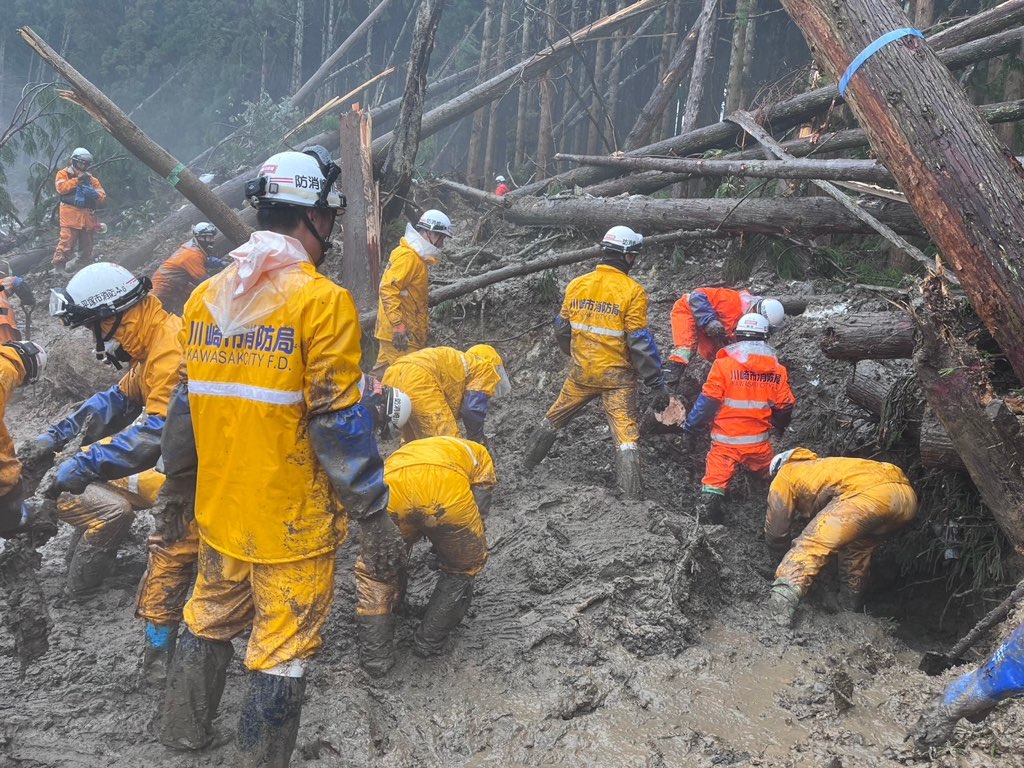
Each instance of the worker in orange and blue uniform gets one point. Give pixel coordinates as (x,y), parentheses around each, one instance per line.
(17,286)
(440,488)
(80,193)
(704,320)
(445,384)
(745,397)
(271,352)
(403,312)
(603,327)
(193,262)
(849,506)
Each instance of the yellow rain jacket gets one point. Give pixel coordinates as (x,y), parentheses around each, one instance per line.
(150,335)
(261,494)
(602,308)
(436,380)
(403,296)
(12,373)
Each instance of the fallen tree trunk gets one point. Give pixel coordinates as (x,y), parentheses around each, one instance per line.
(869,335)
(937,449)
(870,383)
(786,113)
(649,182)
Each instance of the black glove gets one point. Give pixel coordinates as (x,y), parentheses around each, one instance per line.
(689,441)
(674,373)
(383,549)
(400,340)
(660,400)
(40,524)
(175,508)
(715,330)
(37,455)
(84,178)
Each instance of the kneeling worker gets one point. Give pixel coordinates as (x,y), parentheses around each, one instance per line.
(852,505)
(440,486)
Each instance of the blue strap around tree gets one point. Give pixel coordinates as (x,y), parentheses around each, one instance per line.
(871,50)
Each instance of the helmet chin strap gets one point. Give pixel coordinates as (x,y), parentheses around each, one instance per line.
(325,242)
(101,340)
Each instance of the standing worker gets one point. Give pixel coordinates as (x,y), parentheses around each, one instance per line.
(444,383)
(746,395)
(272,351)
(603,326)
(193,262)
(973,695)
(704,320)
(403,314)
(21,362)
(80,193)
(440,487)
(852,505)
(502,189)
(18,286)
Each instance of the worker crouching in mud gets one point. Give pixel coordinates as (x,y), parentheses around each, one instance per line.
(21,362)
(852,505)
(745,397)
(440,487)
(268,421)
(603,327)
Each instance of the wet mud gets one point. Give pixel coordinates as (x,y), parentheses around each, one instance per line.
(602,632)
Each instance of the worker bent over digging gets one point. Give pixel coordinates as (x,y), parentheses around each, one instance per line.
(193,262)
(603,327)
(21,362)
(440,487)
(852,505)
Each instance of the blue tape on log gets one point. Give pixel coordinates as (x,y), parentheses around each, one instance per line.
(871,50)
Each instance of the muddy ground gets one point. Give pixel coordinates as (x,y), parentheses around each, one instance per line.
(596,637)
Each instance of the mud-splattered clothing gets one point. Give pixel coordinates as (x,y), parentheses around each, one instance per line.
(8,320)
(621,408)
(403,300)
(105,511)
(694,310)
(12,373)
(852,505)
(431,483)
(444,384)
(177,277)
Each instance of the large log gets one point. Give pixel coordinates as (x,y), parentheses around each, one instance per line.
(937,449)
(360,266)
(790,112)
(869,335)
(117,124)
(870,383)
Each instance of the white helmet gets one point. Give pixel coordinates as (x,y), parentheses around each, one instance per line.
(296,178)
(82,155)
(622,240)
(391,407)
(435,221)
(500,179)
(752,326)
(778,460)
(33,357)
(204,229)
(771,309)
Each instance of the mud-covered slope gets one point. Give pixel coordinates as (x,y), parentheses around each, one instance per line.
(597,637)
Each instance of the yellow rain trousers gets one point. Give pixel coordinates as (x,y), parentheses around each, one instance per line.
(852,505)
(431,482)
(602,308)
(268,516)
(436,379)
(403,301)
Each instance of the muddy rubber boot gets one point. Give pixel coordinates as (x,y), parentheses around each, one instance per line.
(156,658)
(710,509)
(538,445)
(269,722)
(849,600)
(782,602)
(89,566)
(195,684)
(376,643)
(627,468)
(447,606)
(73,542)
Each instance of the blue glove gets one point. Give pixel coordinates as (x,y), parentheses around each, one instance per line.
(132,450)
(474,413)
(702,413)
(345,445)
(645,357)
(213,264)
(111,411)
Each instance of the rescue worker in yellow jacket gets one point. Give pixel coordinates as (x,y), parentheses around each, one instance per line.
(80,193)
(403,314)
(851,506)
(603,326)
(444,383)
(21,362)
(128,326)
(440,487)
(271,351)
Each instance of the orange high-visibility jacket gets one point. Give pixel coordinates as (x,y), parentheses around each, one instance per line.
(71,216)
(727,305)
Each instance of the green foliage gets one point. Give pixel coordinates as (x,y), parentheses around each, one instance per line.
(544,287)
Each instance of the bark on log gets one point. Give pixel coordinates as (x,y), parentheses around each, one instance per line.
(869,335)
(118,125)
(965,185)
(869,384)
(702,57)
(360,266)
(937,449)
(649,182)
(787,113)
